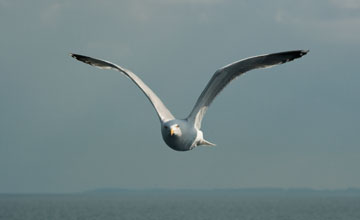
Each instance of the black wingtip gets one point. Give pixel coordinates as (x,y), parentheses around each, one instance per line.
(79,57)
(304,52)
(74,55)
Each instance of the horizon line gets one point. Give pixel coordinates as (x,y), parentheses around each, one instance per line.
(106,190)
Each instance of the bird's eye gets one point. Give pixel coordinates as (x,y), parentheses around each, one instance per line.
(166,127)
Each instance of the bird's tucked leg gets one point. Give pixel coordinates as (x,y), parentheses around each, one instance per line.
(206,143)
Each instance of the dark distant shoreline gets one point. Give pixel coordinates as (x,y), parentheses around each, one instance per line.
(239,191)
(223,191)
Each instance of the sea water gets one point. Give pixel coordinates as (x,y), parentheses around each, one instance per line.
(178,205)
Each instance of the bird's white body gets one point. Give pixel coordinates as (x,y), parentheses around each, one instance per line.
(184,137)
(185,134)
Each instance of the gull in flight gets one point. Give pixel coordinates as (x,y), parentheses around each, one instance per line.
(185,134)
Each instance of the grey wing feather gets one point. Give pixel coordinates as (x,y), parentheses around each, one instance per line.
(225,75)
(163,113)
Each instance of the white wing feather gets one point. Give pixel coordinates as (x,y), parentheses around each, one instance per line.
(163,113)
(225,75)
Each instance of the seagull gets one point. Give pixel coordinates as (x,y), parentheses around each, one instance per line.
(185,134)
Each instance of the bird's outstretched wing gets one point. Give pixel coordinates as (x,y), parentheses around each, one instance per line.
(225,75)
(163,113)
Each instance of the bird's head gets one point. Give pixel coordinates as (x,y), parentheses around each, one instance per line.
(178,134)
(173,130)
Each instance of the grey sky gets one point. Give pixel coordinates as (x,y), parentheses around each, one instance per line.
(65,126)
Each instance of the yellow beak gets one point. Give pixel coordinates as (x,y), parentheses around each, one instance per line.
(171,131)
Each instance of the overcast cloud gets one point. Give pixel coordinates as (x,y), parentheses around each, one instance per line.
(66,126)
